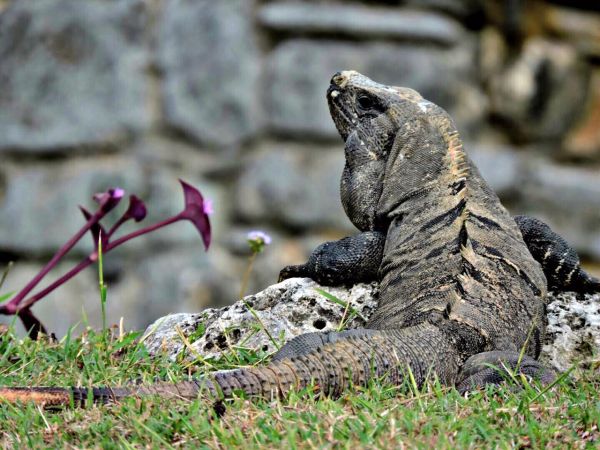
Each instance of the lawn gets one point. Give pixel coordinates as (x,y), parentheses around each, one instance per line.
(565,416)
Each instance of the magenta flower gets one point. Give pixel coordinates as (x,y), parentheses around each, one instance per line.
(136,211)
(109,199)
(196,210)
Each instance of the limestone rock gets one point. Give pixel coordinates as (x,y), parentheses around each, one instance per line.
(211,67)
(573,332)
(286,309)
(294,307)
(71,73)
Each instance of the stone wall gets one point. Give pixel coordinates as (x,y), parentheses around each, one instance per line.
(229,95)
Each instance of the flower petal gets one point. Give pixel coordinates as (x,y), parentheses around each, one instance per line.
(208,206)
(136,210)
(195,211)
(109,199)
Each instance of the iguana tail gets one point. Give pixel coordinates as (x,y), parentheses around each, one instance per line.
(331,362)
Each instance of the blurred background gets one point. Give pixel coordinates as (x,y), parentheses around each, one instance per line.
(229,95)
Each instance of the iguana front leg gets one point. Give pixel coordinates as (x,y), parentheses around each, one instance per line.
(350,260)
(558,259)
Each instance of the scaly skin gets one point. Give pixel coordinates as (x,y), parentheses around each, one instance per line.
(459,287)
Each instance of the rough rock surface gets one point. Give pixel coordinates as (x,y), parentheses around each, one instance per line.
(353,20)
(267,189)
(573,332)
(286,309)
(544,110)
(71,78)
(294,307)
(211,70)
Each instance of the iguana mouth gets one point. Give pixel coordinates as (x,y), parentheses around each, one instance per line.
(340,112)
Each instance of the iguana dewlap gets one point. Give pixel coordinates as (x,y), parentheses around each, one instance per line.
(460,288)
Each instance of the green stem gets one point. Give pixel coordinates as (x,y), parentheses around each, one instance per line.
(247,274)
(102,285)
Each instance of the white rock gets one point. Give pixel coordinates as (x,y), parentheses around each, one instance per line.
(573,332)
(294,307)
(286,309)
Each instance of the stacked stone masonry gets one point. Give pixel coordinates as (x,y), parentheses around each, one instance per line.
(230,96)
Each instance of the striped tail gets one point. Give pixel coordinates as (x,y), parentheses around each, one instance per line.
(329,362)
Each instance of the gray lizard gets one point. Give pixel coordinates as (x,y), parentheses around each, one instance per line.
(462,283)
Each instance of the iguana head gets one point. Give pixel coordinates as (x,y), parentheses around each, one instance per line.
(394,145)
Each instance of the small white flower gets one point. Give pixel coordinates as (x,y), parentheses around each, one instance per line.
(259,236)
(258,240)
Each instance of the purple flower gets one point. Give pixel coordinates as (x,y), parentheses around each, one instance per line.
(258,240)
(195,211)
(136,210)
(109,199)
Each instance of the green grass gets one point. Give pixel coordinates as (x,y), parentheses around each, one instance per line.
(378,416)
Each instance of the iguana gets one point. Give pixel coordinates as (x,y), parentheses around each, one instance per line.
(462,283)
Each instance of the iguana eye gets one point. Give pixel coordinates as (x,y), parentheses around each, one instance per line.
(365,102)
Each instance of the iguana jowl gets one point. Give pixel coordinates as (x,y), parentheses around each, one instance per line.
(459,287)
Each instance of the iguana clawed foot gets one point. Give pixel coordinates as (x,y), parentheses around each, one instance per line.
(500,366)
(291,272)
(350,260)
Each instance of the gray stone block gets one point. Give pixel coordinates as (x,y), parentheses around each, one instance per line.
(72,73)
(461,9)
(300,190)
(210,61)
(499,165)
(568,198)
(361,21)
(300,70)
(540,94)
